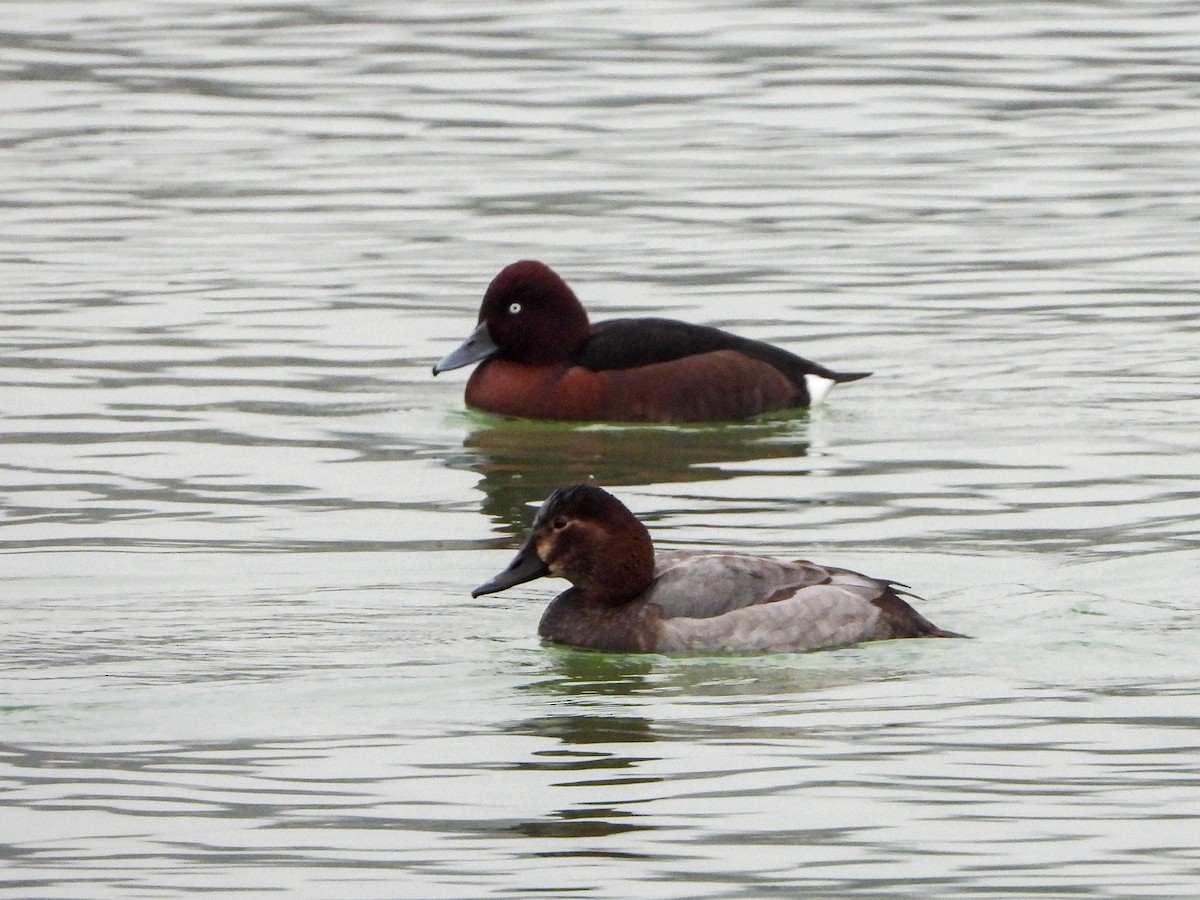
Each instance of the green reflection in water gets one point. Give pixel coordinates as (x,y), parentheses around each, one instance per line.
(521,461)
(613,721)
(591,675)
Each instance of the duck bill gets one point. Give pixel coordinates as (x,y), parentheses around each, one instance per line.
(526,566)
(475,348)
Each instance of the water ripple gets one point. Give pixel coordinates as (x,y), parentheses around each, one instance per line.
(241,519)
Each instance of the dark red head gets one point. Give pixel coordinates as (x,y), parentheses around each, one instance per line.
(528,315)
(532,315)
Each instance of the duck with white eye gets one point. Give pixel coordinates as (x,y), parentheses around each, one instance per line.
(540,357)
(625,597)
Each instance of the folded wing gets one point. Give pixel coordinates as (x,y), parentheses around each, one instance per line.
(711,602)
(630,343)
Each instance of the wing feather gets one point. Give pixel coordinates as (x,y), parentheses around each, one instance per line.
(712,602)
(816,617)
(704,585)
(631,343)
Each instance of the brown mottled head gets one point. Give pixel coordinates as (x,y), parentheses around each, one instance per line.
(587,536)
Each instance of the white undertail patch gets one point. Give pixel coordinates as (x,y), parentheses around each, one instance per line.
(818,387)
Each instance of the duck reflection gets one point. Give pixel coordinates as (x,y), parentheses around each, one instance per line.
(520,461)
(604,756)
(605,759)
(592,674)
(597,748)
(576,672)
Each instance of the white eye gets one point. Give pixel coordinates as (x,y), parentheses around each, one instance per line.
(514,308)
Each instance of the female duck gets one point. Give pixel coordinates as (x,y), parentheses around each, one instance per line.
(542,359)
(624,597)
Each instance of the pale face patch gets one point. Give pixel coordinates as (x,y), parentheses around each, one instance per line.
(565,550)
(545,552)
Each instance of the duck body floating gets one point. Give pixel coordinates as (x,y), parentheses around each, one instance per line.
(626,597)
(540,358)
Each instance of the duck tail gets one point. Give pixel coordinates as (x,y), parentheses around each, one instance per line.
(843,377)
(925,628)
(942,633)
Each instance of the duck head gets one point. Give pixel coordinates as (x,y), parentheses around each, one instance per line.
(528,315)
(587,536)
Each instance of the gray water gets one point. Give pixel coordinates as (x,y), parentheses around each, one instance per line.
(241,521)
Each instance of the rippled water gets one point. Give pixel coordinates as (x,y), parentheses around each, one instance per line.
(241,520)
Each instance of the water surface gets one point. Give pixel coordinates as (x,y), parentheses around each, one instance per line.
(242,521)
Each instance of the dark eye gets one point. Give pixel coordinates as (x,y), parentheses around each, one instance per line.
(514,308)
(559,523)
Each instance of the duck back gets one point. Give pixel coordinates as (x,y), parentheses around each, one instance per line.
(630,343)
